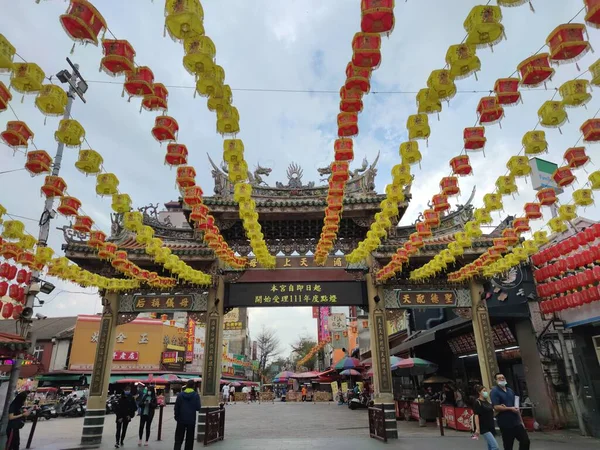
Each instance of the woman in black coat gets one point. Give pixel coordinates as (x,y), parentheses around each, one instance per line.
(146,406)
(124,412)
(16,421)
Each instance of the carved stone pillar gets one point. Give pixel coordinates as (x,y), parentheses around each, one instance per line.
(213,352)
(380,356)
(93,424)
(484,338)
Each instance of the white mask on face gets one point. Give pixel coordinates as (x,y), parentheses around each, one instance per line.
(502,383)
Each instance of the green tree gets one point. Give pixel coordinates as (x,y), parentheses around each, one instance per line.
(301,348)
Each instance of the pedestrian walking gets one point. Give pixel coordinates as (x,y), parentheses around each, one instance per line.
(226,394)
(16,421)
(232,393)
(484,418)
(508,417)
(187,406)
(124,412)
(303,393)
(147,403)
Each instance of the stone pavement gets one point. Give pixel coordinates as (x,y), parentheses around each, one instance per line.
(293,426)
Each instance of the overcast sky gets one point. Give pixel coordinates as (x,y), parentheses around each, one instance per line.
(273,52)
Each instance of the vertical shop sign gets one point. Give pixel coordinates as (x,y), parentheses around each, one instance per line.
(382,352)
(101,356)
(210,379)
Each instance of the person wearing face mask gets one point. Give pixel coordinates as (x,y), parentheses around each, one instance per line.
(509,417)
(124,411)
(484,418)
(146,405)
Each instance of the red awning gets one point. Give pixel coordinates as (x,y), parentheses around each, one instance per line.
(305,375)
(327,372)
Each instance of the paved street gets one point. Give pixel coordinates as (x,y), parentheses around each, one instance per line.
(293,426)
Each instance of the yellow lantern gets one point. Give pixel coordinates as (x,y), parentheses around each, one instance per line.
(121,203)
(428,102)
(13,229)
(462,61)
(462,239)
(535,142)
(394,193)
(199,54)
(144,234)
(472,229)
(183,18)
(70,132)
(540,237)
(27,242)
(418,126)
(583,197)
(557,225)
(233,150)
(519,166)
(442,83)
(493,202)
(513,3)
(506,185)
(401,174)
(409,151)
(575,92)
(238,172)
(594,70)
(594,179)
(2,212)
(482,215)
(210,80)
(483,26)
(27,78)
(552,114)
(242,191)
(455,248)
(7,53)
(447,256)
(531,247)
(107,184)
(43,254)
(389,209)
(220,99)
(51,100)
(567,212)
(89,162)
(228,120)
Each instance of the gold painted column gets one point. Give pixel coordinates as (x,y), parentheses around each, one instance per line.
(484,338)
(93,424)
(213,352)
(380,356)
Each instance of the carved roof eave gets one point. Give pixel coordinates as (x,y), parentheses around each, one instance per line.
(430,249)
(216,203)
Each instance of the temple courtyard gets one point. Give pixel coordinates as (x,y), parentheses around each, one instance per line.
(291,426)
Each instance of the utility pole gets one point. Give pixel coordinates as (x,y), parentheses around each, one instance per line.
(77,86)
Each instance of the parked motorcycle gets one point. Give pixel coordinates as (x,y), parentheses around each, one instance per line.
(360,401)
(47,411)
(111,403)
(71,407)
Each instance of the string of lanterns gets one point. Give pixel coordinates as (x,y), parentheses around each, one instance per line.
(377,18)
(313,351)
(569,46)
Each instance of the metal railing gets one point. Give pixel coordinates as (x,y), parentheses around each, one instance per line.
(214,429)
(377,423)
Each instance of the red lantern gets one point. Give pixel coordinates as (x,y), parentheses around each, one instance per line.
(97,239)
(546,196)
(592,16)
(7,310)
(53,186)
(344,149)
(351,100)
(3,290)
(118,57)
(5,271)
(474,138)
(461,166)
(347,124)
(69,206)
(533,211)
(591,130)
(186,176)
(139,82)
(507,91)
(366,50)
(563,176)
(17,134)
(13,291)
(5,97)
(119,260)
(157,99)
(500,245)
(576,157)
(423,229)
(38,161)
(358,78)
(83,224)
(82,22)
(432,217)
(335,203)
(339,171)
(535,70)
(336,188)
(193,195)
(440,202)
(377,16)
(567,42)
(165,129)
(10,250)
(510,235)
(449,186)
(521,224)
(199,212)
(176,154)
(489,111)
(107,251)
(416,241)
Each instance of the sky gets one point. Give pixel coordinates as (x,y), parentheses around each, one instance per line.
(279,57)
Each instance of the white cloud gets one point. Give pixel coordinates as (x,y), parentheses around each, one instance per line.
(295,45)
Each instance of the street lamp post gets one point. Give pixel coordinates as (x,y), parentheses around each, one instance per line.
(77,86)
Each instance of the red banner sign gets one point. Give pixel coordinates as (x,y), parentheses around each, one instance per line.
(125,356)
(448,412)
(315,310)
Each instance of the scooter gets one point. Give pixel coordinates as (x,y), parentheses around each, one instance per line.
(72,408)
(360,401)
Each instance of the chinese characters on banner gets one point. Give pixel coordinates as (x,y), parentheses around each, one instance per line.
(301,262)
(423,299)
(337,322)
(162,303)
(315,312)
(173,361)
(233,325)
(191,336)
(330,293)
(209,381)
(323,332)
(119,355)
(385,382)
(101,350)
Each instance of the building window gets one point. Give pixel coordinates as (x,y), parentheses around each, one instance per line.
(38,352)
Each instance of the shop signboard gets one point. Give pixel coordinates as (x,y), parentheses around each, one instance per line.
(173,360)
(337,322)
(421,299)
(541,174)
(448,412)
(211,355)
(119,355)
(301,262)
(162,303)
(327,293)
(334,389)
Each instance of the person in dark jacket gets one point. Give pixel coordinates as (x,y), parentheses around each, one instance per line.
(16,420)
(187,406)
(146,405)
(124,412)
